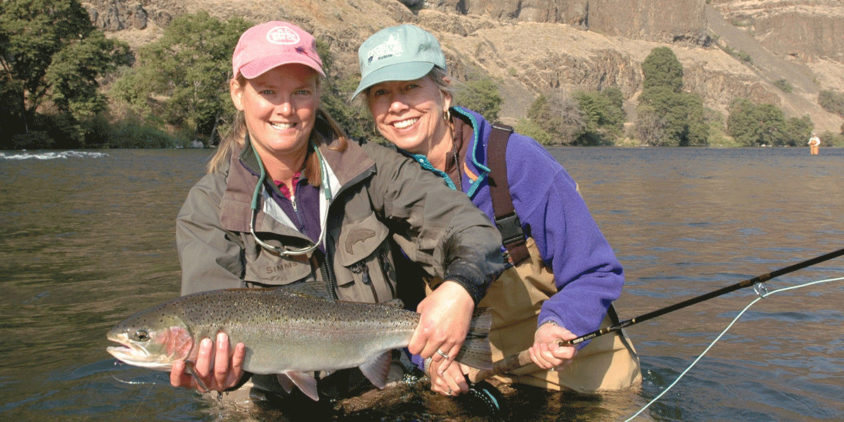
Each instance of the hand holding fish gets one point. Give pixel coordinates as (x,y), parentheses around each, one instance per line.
(546,352)
(452,382)
(443,325)
(215,369)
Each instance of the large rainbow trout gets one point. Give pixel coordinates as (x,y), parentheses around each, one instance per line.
(289,334)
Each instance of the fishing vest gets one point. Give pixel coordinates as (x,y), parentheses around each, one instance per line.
(608,362)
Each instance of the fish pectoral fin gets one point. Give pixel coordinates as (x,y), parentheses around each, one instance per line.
(285,382)
(377,369)
(396,303)
(305,381)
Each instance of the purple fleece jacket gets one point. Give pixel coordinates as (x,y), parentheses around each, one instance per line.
(587,274)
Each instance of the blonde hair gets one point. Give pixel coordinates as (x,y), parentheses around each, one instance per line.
(235,140)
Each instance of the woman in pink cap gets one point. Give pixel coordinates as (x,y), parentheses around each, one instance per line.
(288,200)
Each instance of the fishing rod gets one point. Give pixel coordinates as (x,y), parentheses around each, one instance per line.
(523,358)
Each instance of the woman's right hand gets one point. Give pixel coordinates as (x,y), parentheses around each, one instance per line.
(445,317)
(546,352)
(217,369)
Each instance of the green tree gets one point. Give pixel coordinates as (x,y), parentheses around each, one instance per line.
(662,69)
(528,127)
(480,95)
(603,115)
(50,52)
(765,124)
(797,130)
(651,126)
(560,117)
(181,78)
(667,116)
(73,75)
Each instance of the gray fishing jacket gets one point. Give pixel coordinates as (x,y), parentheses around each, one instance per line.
(377,195)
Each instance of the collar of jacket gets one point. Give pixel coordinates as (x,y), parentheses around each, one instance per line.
(344,168)
(475,160)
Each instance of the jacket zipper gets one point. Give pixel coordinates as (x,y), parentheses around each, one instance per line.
(330,283)
(383,263)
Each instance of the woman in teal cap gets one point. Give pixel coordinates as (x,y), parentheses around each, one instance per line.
(563,282)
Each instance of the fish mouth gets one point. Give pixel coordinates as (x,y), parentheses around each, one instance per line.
(136,355)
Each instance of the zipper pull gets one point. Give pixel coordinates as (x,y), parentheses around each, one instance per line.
(361,268)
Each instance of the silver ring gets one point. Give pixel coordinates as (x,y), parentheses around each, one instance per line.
(440,352)
(449,392)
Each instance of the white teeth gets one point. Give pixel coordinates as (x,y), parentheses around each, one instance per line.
(282,126)
(405,123)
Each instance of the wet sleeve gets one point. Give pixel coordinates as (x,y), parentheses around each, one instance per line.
(210,256)
(436,227)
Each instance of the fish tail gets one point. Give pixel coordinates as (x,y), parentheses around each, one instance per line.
(476,351)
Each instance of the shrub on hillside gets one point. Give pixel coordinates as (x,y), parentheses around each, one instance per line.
(559,116)
(783,85)
(829,139)
(480,95)
(765,125)
(832,101)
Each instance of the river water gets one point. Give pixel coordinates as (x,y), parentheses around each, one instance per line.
(86,238)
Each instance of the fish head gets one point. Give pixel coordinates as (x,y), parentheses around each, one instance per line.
(151,341)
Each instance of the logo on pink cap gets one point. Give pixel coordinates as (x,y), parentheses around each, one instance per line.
(272,44)
(282,35)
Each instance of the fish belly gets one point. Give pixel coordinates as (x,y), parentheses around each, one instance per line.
(318,351)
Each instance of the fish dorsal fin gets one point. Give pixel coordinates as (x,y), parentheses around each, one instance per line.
(305,381)
(377,369)
(307,288)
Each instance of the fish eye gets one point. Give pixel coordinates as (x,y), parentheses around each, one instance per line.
(141,335)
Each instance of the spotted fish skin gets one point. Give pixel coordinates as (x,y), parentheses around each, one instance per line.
(284,333)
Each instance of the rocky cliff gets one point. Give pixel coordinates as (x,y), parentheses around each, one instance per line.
(729,48)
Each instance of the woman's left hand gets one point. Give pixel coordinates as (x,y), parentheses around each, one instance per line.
(546,352)
(452,382)
(444,322)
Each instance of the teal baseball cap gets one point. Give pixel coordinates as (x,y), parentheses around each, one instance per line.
(398,53)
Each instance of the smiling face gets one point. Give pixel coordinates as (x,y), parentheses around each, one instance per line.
(279,107)
(410,114)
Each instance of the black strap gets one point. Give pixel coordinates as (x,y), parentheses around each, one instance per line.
(506,219)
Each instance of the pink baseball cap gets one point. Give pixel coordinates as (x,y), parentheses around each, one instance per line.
(272,44)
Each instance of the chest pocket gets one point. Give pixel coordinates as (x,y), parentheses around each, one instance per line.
(365,269)
(268,268)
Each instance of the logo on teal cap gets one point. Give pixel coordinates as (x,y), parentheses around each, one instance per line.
(398,53)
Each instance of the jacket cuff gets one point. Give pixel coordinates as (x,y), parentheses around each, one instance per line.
(553,319)
(476,290)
